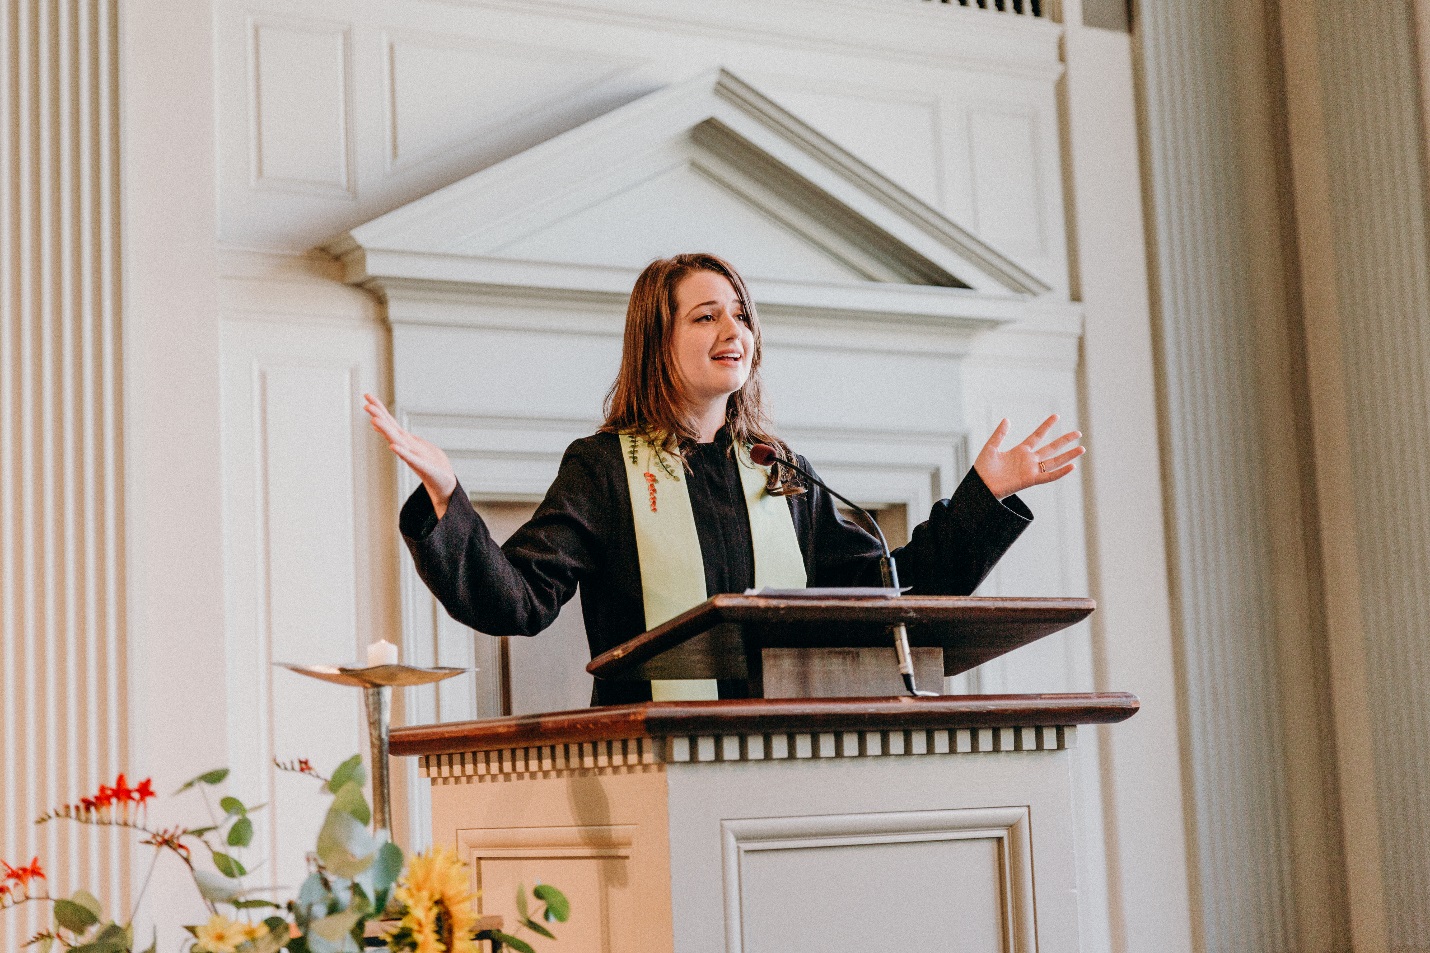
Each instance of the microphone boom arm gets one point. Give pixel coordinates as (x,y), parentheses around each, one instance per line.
(764,454)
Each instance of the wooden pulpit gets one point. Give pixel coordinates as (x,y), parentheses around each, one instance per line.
(794,823)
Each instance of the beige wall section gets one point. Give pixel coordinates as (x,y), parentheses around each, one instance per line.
(1149,894)
(63,720)
(1334,479)
(602,838)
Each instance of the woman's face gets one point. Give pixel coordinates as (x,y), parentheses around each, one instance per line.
(712,340)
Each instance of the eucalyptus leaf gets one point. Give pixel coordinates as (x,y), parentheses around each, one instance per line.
(90,902)
(112,938)
(334,927)
(535,927)
(350,798)
(241,833)
(232,805)
(350,770)
(228,866)
(254,904)
(73,917)
(558,908)
(312,892)
(345,847)
(213,777)
(385,871)
(516,943)
(214,888)
(522,910)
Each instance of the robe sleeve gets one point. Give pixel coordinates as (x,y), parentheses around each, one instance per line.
(948,554)
(520,587)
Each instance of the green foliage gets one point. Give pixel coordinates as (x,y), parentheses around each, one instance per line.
(350,771)
(216,776)
(558,908)
(506,939)
(352,879)
(73,917)
(241,833)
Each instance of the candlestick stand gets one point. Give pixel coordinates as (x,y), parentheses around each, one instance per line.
(377,682)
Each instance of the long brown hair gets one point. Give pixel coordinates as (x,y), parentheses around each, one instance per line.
(646,398)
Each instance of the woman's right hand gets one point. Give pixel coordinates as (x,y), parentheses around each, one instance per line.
(426,459)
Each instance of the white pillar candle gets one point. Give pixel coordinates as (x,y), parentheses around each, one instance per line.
(382,653)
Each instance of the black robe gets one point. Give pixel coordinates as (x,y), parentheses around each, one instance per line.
(583,535)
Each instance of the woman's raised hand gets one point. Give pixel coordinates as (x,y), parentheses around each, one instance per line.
(1006,472)
(424,457)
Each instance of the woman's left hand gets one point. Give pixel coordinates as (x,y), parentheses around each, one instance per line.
(1010,471)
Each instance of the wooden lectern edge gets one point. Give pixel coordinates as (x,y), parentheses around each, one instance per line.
(729,607)
(765,716)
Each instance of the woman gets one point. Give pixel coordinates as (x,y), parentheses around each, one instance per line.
(663,507)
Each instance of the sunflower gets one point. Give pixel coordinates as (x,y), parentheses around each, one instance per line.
(437,900)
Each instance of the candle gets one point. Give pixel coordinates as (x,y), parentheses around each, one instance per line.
(382,653)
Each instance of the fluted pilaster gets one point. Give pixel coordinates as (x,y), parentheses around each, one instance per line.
(62,646)
(1369,82)
(1212,391)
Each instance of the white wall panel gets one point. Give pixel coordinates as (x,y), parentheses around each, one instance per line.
(444,91)
(1008,206)
(299,104)
(307,549)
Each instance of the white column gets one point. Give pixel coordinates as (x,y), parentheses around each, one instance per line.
(1141,899)
(63,720)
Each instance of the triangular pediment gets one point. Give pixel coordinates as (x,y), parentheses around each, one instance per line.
(710,164)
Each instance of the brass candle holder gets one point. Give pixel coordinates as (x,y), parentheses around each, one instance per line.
(377,682)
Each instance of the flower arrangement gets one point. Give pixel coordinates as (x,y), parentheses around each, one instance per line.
(361,891)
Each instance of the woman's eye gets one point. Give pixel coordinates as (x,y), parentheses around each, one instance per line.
(743,317)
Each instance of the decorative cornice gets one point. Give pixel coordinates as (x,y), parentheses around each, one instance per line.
(630,755)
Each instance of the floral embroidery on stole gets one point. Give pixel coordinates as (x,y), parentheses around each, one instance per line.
(671,564)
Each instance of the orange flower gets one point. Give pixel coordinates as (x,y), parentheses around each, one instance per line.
(121,791)
(23,875)
(145,790)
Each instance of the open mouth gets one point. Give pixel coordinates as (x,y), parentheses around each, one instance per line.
(728,359)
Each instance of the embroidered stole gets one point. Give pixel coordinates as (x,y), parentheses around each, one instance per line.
(671,564)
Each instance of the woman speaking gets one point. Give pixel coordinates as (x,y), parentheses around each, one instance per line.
(663,507)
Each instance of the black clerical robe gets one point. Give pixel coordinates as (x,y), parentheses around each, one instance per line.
(583,536)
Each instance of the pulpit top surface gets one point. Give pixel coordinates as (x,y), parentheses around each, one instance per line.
(765,716)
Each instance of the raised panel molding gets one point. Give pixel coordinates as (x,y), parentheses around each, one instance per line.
(1006,183)
(302,502)
(778,864)
(443,91)
(300,100)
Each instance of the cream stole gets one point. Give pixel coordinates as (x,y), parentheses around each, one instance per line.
(672,568)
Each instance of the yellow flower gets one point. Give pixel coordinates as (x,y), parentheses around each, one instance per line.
(222,935)
(436,893)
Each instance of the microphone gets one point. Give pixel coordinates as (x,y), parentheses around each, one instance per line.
(765,455)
